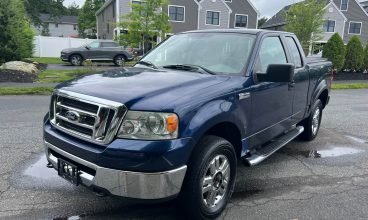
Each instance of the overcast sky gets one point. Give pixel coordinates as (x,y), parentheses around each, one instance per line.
(266,7)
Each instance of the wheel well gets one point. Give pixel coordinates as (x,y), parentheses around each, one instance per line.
(324,97)
(75,54)
(230,132)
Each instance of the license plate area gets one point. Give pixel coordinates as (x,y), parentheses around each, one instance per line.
(68,171)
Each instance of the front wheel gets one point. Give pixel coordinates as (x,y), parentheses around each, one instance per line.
(210,179)
(312,123)
(76,60)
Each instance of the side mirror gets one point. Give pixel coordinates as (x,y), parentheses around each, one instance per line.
(278,73)
(88,48)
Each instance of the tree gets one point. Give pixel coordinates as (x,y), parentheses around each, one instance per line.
(87,17)
(262,21)
(73,9)
(145,22)
(334,50)
(305,19)
(53,7)
(354,54)
(16,36)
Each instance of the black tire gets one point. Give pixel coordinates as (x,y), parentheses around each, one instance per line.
(119,60)
(76,60)
(311,129)
(192,197)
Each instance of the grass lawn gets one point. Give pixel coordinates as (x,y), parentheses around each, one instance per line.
(56,76)
(26,90)
(46,60)
(350,86)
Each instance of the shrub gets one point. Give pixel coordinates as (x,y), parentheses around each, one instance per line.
(354,54)
(16,35)
(334,51)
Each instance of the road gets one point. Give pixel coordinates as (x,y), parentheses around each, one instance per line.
(324,179)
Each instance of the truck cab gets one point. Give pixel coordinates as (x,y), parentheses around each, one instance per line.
(175,124)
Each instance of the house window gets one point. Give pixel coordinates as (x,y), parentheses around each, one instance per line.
(56,25)
(329,26)
(355,28)
(103,16)
(108,27)
(344,5)
(75,27)
(241,21)
(213,18)
(176,13)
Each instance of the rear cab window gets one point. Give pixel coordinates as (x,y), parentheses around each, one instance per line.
(294,52)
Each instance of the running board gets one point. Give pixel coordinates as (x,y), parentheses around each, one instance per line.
(270,149)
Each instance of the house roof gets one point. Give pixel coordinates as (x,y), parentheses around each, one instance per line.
(279,19)
(107,3)
(47,18)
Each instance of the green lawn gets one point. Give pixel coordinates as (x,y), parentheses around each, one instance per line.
(56,76)
(350,86)
(26,90)
(46,60)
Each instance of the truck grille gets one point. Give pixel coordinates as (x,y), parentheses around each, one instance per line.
(86,117)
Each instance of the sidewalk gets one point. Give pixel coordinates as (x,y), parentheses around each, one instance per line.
(33,85)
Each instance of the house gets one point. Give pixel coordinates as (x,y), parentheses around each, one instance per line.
(57,26)
(346,17)
(185,15)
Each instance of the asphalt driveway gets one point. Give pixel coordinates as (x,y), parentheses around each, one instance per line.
(324,179)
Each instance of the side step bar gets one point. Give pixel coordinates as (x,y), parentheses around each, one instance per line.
(270,149)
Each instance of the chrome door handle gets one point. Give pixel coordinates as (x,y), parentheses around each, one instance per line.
(244,95)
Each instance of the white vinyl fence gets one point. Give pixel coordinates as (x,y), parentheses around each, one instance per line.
(52,46)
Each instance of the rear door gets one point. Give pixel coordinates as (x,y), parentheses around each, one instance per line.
(271,102)
(108,50)
(300,85)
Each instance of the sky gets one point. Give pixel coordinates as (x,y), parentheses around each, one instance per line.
(266,7)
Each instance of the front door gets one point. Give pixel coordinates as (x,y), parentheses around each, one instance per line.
(91,53)
(271,102)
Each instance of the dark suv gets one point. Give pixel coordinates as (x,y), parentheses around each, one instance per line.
(100,50)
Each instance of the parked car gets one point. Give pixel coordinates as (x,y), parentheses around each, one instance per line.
(176,124)
(97,51)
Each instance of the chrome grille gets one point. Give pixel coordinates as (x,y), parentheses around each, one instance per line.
(86,117)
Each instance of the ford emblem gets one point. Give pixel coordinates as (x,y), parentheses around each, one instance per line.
(72,115)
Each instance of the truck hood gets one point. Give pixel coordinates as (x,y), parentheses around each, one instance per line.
(145,88)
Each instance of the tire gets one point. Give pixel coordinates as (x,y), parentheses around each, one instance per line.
(119,60)
(76,60)
(214,160)
(312,123)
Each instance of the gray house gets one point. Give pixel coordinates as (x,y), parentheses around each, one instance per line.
(185,15)
(58,26)
(346,17)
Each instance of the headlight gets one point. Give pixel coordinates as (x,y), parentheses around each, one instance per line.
(149,126)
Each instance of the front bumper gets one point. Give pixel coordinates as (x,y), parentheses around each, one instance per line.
(137,185)
(64,57)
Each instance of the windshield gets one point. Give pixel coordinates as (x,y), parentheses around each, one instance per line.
(222,53)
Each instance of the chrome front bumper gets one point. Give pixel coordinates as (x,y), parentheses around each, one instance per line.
(125,183)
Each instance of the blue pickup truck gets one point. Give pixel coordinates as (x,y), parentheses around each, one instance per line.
(176,124)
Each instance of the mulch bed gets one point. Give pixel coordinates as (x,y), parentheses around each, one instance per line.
(345,76)
(16,76)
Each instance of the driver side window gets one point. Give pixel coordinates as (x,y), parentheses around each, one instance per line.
(94,45)
(271,52)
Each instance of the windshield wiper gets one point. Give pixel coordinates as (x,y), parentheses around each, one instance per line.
(189,67)
(147,63)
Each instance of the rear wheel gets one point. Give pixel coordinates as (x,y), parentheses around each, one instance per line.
(76,60)
(119,60)
(210,178)
(313,122)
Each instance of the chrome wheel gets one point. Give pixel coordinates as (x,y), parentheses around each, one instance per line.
(316,120)
(215,181)
(76,60)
